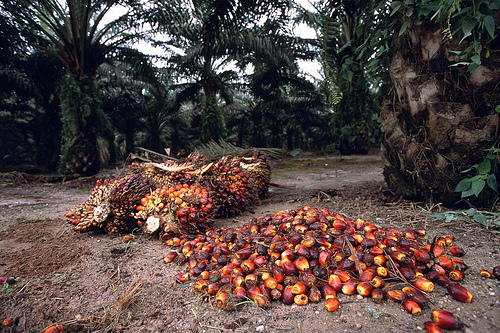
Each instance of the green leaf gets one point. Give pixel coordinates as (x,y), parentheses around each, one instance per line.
(395,7)
(485,167)
(468,24)
(492,182)
(477,186)
(480,218)
(467,193)
(489,24)
(497,109)
(470,211)
(463,185)
(403,28)
(476,59)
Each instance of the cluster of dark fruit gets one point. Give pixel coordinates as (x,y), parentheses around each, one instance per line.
(310,255)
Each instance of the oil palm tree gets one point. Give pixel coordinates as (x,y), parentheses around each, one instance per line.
(78,34)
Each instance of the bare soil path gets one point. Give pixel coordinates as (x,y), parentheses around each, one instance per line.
(96,283)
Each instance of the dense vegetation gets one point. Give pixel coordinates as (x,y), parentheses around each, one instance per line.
(78,88)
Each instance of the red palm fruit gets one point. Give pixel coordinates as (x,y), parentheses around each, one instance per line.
(170,257)
(377,282)
(459,292)
(422,256)
(378,296)
(439,269)
(441,241)
(364,289)
(247,266)
(449,240)
(288,295)
(205,275)
(186,248)
(343,275)
(426,247)
(265,291)
(457,251)
(221,299)
(314,294)
(252,291)
(382,271)
(308,279)
(485,273)
(335,282)
(396,295)
(323,243)
(260,261)
(412,307)
(299,288)
(407,272)
(443,280)
(375,251)
(432,327)
(270,283)
(456,275)
(290,280)
(54,329)
(328,291)
(459,264)
(339,256)
(445,319)
(237,271)
(9,321)
(349,287)
(332,304)
(295,239)
(325,258)
(416,295)
(358,238)
(301,250)
(278,273)
(368,242)
(339,224)
(239,281)
(350,230)
(379,260)
(200,285)
(240,292)
(300,228)
(302,264)
(251,280)
(262,301)
(213,288)
(244,253)
(366,276)
(438,251)
(397,255)
(182,277)
(444,262)
(265,275)
(274,256)
(308,242)
(288,267)
(423,284)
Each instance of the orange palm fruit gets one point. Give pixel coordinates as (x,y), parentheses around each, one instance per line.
(299,288)
(382,271)
(288,295)
(314,294)
(302,264)
(379,260)
(485,273)
(412,307)
(457,251)
(377,282)
(364,289)
(182,277)
(271,283)
(332,304)
(9,321)
(170,257)
(328,291)
(247,266)
(200,285)
(301,299)
(444,262)
(262,301)
(251,280)
(396,295)
(423,284)
(459,292)
(349,287)
(438,251)
(213,288)
(445,319)
(335,282)
(432,327)
(54,329)
(456,275)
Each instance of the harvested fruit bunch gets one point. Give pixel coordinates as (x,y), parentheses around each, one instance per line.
(111,205)
(313,254)
(173,210)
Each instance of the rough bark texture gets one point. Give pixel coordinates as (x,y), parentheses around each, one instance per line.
(437,119)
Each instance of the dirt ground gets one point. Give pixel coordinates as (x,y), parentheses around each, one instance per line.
(92,282)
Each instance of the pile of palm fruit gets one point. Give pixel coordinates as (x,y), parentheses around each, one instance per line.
(174,197)
(312,254)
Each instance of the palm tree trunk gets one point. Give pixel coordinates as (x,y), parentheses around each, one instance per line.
(80,105)
(437,119)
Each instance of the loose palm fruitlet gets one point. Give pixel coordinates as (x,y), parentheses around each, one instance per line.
(311,254)
(111,205)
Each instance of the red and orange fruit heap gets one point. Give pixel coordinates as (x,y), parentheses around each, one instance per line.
(311,255)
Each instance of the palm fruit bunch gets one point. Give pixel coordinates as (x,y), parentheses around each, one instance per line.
(111,205)
(177,209)
(309,255)
(258,171)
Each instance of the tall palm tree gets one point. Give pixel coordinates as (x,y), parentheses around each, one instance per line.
(213,34)
(77,34)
